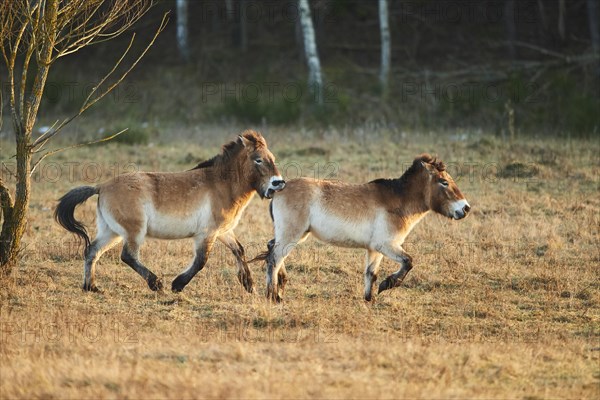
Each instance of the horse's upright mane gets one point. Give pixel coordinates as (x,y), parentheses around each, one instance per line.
(434,161)
(398,185)
(232,149)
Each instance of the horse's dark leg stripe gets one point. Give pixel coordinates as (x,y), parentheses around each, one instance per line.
(130,258)
(372,276)
(244,274)
(396,278)
(89,284)
(184,278)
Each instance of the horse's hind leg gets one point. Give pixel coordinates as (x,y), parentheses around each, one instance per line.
(373,260)
(244,274)
(130,256)
(203,247)
(276,264)
(104,240)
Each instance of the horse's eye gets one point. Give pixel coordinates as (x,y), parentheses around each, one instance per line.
(444,182)
(258,161)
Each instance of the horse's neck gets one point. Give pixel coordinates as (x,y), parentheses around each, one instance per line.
(232,183)
(411,197)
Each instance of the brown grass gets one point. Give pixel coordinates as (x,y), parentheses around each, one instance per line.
(504,304)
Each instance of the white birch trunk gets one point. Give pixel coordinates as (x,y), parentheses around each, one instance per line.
(182,29)
(386,55)
(229,9)
(561,19)
(315,81)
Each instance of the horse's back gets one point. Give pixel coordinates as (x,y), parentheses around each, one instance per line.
(349,200)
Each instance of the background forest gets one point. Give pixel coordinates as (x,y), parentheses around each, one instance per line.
(508,67)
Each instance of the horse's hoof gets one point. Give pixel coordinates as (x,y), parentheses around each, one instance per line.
(385,285)
(178,284)
(273,297)
(368,297)
(91,288)
(246,281)
(155,284)
(176,288)
(249,285)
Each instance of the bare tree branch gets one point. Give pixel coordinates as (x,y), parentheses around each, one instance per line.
(541,50)
(11,173)
(42,140)
(49,153)
(83,30)
(34,16)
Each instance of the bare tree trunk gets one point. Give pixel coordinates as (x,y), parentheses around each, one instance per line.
(15,219)
(299,39)
(183,30)
(7,256)
(315,81)
(386,55)
(561,19)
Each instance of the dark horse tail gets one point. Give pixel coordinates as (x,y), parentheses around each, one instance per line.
(64,213)
(265,255)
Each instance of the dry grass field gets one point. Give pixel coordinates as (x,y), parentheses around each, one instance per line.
(504,304)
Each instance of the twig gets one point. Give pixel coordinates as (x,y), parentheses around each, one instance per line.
(538,49)
(42,135)
(74,146)
(42,140)
(9,171)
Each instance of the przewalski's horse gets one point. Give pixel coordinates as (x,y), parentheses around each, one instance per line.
(376,216)
(204,203)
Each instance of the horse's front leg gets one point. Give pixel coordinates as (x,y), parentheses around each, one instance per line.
(203,247)
(397,254)
(244,274)
(282,279)
(372,262)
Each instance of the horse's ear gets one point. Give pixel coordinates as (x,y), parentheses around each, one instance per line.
(429,167)
(243,141)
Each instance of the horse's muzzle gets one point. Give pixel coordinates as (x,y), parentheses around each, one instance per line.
(460,210)
(275,185)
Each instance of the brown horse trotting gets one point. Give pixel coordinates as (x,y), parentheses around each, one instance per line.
(376,216)
(204,203)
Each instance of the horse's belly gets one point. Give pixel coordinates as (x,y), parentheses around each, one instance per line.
(172,228)
(169,226)
(341,232)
